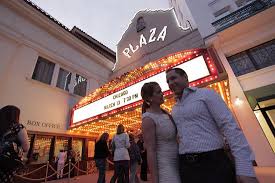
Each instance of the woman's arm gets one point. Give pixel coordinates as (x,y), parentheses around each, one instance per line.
(23,139)
(149,136)
(106,149)
(113,144)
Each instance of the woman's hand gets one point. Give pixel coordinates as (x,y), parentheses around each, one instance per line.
(23,139)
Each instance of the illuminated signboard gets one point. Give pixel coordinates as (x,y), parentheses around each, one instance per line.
(143,41)
(195,69)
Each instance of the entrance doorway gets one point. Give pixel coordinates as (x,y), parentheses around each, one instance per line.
(265,113)
(262,102)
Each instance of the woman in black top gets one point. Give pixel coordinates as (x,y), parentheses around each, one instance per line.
(143,153)
(135,159)
(9,120)
(101,153)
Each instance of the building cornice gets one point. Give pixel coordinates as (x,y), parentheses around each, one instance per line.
(20,39)
(104,50)
(257,73)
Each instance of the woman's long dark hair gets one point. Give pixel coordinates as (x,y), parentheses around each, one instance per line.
(144,107)
(120,129)
(147,91)
(104,137)
(8,116)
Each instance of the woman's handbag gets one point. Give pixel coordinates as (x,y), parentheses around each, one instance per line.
(113,147)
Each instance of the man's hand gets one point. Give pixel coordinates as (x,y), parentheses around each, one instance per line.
(246,179)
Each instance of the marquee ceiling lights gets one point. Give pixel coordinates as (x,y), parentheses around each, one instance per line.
(142,73)
(132,119)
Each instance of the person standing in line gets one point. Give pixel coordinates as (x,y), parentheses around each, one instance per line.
(61,159)
(135,159)
(203,120)
(72,156)
(101,154)
(9,119)
(121,143)
(143,153)
(160,136)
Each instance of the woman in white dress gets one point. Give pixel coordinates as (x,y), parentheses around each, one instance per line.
(159,133)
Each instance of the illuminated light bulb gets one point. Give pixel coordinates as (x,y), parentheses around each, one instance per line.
(238,101)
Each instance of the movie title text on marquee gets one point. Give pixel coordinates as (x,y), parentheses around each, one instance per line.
(121,98)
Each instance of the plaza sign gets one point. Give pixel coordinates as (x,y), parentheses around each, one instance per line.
(144,41)
(195,69)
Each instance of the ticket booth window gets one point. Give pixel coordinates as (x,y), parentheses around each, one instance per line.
(60,144)
(77,145)
(41,149)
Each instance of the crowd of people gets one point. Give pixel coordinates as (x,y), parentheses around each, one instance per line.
(186,146)
(127,156)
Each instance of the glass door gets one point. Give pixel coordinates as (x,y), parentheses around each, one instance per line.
(41,149)
(269,115)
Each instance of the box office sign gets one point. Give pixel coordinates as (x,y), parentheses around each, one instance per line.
(40,124)
(195,69)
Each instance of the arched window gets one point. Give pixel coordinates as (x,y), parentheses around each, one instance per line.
(140,24)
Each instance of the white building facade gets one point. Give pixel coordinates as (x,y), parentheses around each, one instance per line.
(45,69)
(183,13)
(243,34)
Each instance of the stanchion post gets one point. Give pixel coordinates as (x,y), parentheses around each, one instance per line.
(77,168)
(47,168)
(87,168)
(69,175)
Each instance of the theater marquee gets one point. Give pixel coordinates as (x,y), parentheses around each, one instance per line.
(196,69)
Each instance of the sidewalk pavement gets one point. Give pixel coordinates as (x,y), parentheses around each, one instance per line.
(91,178)
(264,174)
